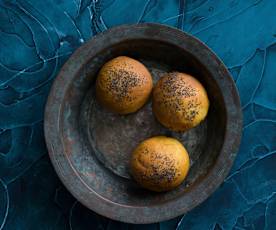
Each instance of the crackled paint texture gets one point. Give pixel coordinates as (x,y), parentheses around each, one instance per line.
(38,36)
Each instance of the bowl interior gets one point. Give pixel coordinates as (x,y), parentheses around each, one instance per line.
(98,143)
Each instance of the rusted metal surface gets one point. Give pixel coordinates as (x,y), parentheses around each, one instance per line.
(113,137)
(90,147)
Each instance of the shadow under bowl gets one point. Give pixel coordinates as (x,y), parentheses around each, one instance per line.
(90,147)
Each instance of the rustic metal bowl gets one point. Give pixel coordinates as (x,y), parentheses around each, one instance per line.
(90,147)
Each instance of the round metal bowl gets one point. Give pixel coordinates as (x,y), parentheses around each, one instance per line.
(90,147)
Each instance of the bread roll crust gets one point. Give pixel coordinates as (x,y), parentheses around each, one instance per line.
(160,163)
(180,102)
(123,85)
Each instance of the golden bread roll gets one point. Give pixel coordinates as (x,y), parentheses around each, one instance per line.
(180,102)
(160,163)
(123,85)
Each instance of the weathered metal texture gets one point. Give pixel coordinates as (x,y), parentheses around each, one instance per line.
(90,147)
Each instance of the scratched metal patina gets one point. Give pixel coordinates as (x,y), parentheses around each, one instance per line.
(37,37)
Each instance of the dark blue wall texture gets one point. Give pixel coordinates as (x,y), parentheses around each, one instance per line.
(38,36)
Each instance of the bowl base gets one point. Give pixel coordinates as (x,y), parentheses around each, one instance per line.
(113,137)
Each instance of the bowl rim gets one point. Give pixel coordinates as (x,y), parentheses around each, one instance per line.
(201,191)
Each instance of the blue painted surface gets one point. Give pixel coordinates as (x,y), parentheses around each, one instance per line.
(38,36)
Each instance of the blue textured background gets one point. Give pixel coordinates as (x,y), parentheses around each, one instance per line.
(38,36)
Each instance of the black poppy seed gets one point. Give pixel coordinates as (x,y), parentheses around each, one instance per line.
(121,82)
(173,88)
(165,170)
(179,90)
(192,110)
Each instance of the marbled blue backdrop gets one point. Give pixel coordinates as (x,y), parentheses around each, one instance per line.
(38,36)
